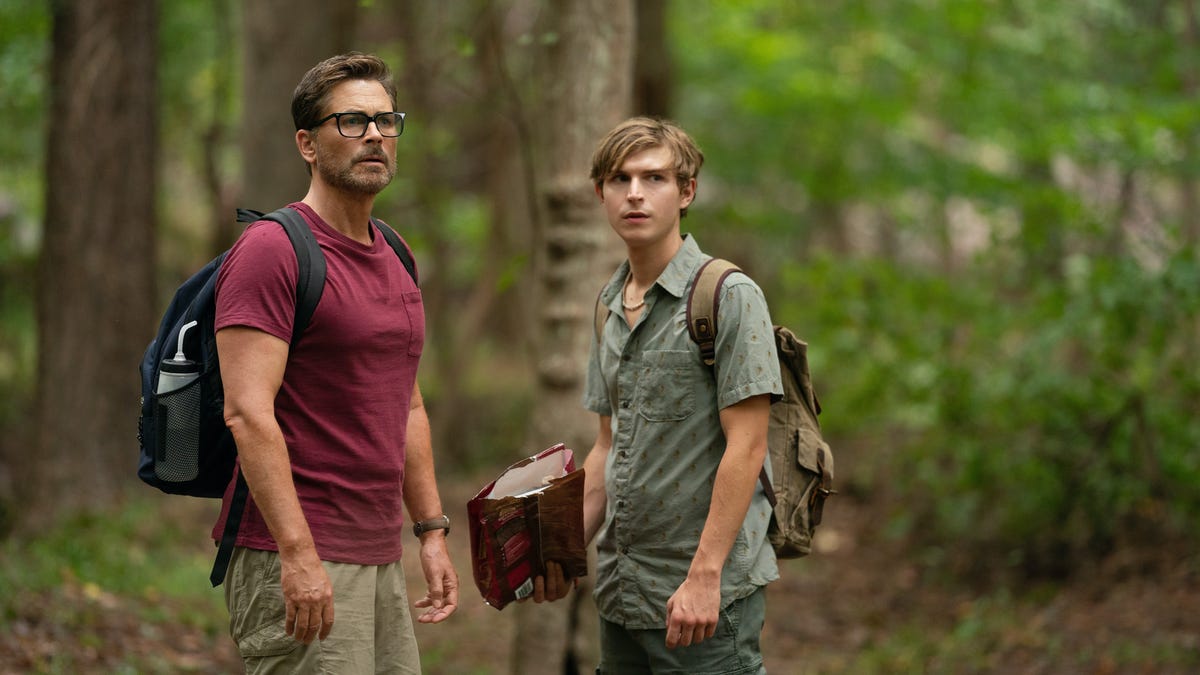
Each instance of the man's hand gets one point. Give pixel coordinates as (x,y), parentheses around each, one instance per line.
(553,586)
(693,612)
(307,595)
(441,599)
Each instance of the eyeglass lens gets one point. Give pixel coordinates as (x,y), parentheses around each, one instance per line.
(354,125)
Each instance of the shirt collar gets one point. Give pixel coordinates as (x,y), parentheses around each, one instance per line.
(674,279)
(678,274)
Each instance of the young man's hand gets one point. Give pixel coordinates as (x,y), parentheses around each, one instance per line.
(553,586)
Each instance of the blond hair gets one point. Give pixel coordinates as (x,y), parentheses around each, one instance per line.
(642,133)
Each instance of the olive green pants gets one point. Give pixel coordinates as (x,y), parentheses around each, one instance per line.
(372,628)
(732,650)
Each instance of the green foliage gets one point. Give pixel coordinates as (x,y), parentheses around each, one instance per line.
(137,550)
(24,64)
(998,633)
(1040,429)
(24,72)
(113,579)
(1028,397)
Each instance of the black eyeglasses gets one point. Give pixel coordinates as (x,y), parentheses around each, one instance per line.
(354,124)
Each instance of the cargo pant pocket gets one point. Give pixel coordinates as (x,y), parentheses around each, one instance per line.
(255,601)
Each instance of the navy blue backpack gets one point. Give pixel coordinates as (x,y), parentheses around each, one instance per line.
(186,449)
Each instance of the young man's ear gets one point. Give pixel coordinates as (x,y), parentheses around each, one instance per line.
(599,187)
(687,193)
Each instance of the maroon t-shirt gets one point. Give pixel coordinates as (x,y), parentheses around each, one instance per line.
(343,406)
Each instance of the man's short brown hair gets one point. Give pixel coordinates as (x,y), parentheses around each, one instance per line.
(312,94)
(642,133)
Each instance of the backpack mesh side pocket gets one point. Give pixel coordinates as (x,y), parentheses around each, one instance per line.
(178,446)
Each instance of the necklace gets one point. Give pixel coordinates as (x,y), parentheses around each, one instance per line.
(624,289)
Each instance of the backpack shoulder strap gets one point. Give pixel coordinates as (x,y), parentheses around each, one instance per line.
(601,315)
(311,264)
(704,299)
(398,246)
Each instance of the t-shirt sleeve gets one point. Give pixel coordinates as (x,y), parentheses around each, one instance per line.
(256,286)
(746,360)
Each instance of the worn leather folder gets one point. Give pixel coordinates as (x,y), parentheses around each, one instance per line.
(532,513)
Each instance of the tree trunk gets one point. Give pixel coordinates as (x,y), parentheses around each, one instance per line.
(653,73)
(95,277)
(587,84)
(276,54)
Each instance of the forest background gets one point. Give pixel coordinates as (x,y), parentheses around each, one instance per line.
(982,214)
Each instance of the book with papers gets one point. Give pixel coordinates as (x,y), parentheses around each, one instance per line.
(532,513)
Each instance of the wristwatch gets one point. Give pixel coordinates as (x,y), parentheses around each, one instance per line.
(442,522)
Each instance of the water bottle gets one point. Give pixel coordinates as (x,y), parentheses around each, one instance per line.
(178,370)
(177,457)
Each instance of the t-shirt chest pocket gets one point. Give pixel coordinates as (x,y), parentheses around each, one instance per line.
(666,385)
(414,308)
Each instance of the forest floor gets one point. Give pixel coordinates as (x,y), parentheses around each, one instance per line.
(857,605)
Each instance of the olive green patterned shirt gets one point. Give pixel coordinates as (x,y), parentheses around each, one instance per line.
(667,439)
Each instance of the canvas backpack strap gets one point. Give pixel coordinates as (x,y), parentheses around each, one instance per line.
(702,304)
(601,316)
(398,246)
(704,299)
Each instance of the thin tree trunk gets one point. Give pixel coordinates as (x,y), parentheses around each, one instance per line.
(588,89)
(653,77)
(95,277)
(277,51)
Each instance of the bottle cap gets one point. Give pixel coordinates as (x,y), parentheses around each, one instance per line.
(178,366)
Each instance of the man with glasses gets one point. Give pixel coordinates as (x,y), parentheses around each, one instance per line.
(331,431)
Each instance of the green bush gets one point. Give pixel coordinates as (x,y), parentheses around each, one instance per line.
(1034,429)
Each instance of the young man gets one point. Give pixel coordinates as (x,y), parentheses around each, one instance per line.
(332,435)
(672,480)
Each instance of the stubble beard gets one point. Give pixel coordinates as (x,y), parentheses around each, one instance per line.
(348,178)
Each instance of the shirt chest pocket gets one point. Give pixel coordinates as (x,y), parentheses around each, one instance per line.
(666,385)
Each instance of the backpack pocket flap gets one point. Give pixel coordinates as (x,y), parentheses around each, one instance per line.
(816,462)
(813,455)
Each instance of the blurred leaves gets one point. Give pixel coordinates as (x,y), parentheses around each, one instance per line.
(971,210)
(977,213)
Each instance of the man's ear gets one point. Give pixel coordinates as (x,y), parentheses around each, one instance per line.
(687,194)
(306,145)
(599,187)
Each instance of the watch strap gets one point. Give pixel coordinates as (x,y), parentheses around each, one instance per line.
(441,522)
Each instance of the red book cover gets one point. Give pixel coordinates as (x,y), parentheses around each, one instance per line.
(532,513)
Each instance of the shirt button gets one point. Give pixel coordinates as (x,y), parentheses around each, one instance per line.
(625,404)
(626,358)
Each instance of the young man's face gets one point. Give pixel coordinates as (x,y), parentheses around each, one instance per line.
(643,197)
(361,165)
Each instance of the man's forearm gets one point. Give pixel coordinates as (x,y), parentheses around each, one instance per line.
(745,427)
(732,490)
(264,462)
(421,495)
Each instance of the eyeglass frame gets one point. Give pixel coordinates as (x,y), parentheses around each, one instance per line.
(337,117)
